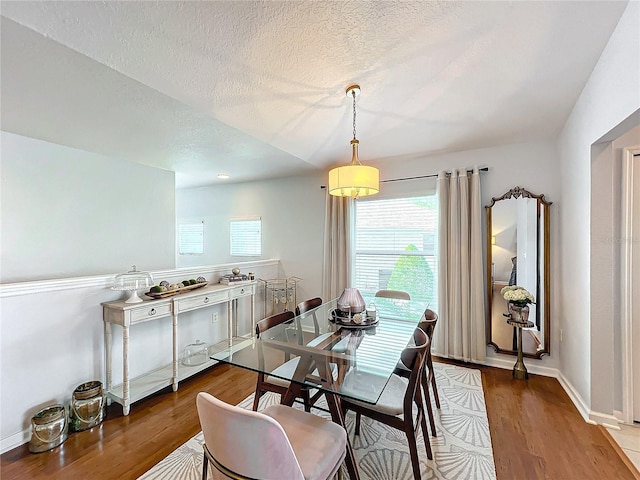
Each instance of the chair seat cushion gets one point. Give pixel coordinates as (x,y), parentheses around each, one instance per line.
(390,402)
(319,444)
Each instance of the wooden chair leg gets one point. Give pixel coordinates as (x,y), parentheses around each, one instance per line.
(433,384)
(427,401)
(423,423)
(427,442)
(256,399)
(413,452)
(306,399)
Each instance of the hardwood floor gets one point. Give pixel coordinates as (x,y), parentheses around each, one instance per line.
(536,433)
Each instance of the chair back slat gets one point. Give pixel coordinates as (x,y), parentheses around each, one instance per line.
(428,322)
(414,357)
(410,354)
(308,305)
(273,320)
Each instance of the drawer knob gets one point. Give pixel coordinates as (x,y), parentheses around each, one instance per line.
(152,311)
(206,299)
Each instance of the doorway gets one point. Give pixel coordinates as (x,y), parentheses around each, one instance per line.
(630,284)
(635,286)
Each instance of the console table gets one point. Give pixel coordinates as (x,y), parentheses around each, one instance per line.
(129,314)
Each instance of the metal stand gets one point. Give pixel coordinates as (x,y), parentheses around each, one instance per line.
(280,294)
(519,369)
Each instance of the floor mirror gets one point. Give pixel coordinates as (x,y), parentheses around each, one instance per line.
(518,232)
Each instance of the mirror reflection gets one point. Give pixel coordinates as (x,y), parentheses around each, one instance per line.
(518,254)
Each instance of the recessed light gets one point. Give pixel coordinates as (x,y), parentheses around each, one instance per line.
(224,176)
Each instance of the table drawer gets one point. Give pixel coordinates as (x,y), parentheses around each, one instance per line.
(185,304)
(149,312)
(242,291)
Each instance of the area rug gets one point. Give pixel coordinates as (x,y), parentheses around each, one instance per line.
(462,449)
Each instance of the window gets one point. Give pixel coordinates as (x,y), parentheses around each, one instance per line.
(191,239)
(246,237)
(395,247)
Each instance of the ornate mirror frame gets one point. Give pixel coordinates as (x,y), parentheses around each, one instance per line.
(542,274)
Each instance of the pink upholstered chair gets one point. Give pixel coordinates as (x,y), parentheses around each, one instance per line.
(276,444)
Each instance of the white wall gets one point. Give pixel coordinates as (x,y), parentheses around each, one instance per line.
(67,212)
(51,339)
(609,97)
(292,212)
(533,166)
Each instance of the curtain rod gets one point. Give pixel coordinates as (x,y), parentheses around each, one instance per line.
(482,169)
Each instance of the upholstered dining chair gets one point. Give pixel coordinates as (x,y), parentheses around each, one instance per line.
(273,383)
(399,294)
(400,395)
(304,307)
(278,443)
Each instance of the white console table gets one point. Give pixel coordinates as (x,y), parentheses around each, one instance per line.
(129,314)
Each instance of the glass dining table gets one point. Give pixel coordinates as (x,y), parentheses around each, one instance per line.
(343,356)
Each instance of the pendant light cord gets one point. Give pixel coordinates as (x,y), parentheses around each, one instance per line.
(353,92)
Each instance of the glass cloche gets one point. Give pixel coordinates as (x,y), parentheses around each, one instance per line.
(132,281)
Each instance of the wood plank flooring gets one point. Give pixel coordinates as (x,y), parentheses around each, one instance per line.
(536,432)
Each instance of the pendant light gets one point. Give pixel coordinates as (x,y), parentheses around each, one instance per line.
(354,180)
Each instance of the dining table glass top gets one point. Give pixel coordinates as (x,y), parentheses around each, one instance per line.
(321,348)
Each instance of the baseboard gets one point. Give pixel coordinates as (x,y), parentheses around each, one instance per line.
(14,441)
(604,419)
(507,364)
(576,398)
(588,415)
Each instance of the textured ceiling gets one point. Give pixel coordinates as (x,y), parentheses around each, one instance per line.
(256,89)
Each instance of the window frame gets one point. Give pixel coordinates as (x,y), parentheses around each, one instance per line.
(394,195)
(181,236)
(244,253)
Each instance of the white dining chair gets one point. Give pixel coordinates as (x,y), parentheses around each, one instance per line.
(278,443)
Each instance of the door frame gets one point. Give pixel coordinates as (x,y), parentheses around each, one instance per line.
(626,282)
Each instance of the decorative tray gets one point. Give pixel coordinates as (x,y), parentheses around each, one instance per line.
(171,293)
(339,318)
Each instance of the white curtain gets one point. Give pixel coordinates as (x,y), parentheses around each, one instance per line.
(460,332)
(337,246)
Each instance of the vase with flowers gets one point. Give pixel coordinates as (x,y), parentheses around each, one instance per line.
(518,299)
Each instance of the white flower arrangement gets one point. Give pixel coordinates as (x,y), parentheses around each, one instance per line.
(516,294)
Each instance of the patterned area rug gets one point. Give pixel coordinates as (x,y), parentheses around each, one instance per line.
(462,449)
